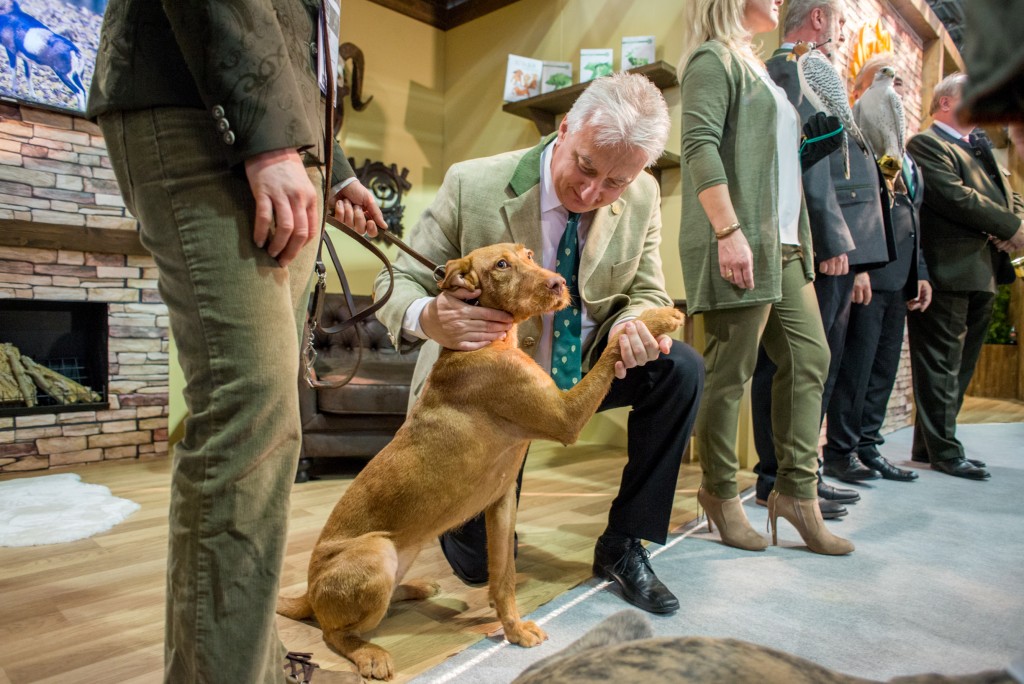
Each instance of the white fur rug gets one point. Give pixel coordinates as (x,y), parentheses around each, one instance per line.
(51,509)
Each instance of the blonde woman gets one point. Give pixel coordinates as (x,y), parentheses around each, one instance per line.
(747,260)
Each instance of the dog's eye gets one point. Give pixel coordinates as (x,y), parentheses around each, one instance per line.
(501,264)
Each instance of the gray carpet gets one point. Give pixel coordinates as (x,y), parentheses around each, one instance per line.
(936,583)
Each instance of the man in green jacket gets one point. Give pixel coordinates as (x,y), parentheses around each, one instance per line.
(214,122)
(969,221)
(587,179)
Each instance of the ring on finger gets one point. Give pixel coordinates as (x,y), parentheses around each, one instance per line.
(728,274)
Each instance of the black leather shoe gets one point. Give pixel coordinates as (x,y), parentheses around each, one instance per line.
(961,467)
(840,495)
(465,549)
(830,510)
(850,470)
(973,461)
(628,565)
(887,469)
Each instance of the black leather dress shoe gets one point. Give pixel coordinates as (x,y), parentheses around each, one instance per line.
(887,469)
(961,467)
(830,510)
(973,461)
(627,563)
(849,469)
(465,549)
(838,494)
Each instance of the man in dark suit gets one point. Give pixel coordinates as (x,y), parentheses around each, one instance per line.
(215,126)
(874,337)
(851,232)
(970,220)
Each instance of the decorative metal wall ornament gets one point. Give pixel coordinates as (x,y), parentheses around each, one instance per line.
(354,87)
(387,185)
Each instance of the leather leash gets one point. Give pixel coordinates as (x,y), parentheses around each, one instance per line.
(318,296)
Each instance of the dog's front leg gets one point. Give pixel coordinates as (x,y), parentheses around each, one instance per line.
(501,565)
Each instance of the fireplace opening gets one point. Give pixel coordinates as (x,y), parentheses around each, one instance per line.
(69,338)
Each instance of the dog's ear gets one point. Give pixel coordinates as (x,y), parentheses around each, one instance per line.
(459,273)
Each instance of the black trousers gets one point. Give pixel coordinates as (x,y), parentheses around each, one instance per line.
(833,293)
(664,395)
(945,342)
(866,376)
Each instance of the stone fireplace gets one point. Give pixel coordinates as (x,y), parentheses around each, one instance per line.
(70,258)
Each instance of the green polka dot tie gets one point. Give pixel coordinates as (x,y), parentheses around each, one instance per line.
(565,347)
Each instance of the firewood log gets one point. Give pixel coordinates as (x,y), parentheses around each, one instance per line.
(9,391)
(63,389)
(25,384)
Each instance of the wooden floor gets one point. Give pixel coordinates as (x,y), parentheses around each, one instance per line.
(92,611)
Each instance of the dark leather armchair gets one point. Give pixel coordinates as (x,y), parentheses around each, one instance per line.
(359,418)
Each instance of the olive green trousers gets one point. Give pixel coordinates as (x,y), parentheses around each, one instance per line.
(794,339)
(236,318)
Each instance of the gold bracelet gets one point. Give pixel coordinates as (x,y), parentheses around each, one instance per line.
(727,231)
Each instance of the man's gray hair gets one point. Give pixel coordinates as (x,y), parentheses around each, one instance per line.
(951,86)
(623,109)
(799,10)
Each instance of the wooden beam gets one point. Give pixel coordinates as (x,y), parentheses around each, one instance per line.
(428,11)
(444,14)
(36,235)
(459,12)
(927,24)
(932,63)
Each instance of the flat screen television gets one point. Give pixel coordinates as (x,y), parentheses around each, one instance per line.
(49,51)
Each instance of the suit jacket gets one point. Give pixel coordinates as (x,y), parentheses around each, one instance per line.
(497,199)
(964,204)
(848,215)
(909,266)
(255,70)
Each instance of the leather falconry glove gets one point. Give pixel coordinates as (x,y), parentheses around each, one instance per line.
(823,134)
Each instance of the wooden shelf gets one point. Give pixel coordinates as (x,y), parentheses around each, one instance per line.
(544,110)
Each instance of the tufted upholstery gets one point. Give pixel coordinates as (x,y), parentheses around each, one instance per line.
(359,418)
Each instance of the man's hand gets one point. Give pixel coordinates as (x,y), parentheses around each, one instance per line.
(923,298)
(454,324)
(356,207)
(1013,244)
(637,346)
(836,266)
(736,261)
(861,289)
(286,203)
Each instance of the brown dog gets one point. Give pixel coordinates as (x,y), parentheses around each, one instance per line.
(457,454)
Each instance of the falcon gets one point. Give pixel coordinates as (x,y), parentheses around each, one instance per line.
(879,113)
(824,89)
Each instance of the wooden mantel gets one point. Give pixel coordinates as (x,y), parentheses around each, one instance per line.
(37,235)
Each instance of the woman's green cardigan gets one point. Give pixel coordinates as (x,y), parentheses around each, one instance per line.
(729,136)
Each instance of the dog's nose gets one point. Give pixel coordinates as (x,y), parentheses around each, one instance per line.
(556,284)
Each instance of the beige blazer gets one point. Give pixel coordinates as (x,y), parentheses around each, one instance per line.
(497,199)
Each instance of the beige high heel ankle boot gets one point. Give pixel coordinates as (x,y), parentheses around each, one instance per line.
(732,522)
(805,516)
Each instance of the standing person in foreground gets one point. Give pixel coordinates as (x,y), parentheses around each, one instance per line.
(850,224)
(874,338)
(224,172)
(970,220)
(745,245)
(582,202)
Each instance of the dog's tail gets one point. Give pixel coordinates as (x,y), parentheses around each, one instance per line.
(296,607)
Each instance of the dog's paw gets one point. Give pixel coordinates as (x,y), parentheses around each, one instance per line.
(415,590)
(373,662)
(526,634)
(662,320)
